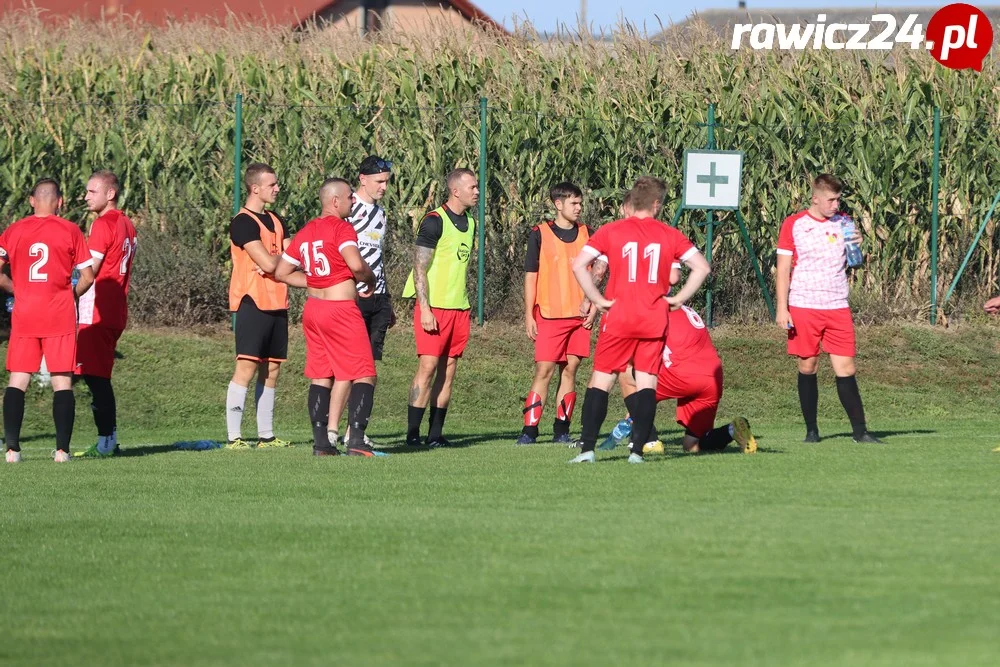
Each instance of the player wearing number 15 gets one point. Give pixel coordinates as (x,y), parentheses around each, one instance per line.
(338,350)
(43,249)
(103,309)
(640,251)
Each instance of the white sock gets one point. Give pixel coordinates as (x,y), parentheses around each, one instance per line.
(105,443)
(265,411)
(235,398)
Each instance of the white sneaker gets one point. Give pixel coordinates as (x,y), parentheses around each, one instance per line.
(60,456)
(13,457)
(584,457)
(635,458)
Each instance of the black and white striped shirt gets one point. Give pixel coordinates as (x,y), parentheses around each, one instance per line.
(369,222)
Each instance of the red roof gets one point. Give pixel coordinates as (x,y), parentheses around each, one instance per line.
(292,12)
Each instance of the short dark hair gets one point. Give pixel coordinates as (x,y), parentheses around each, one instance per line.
(48,186)
(110,180)
(254,171)
(564,190)
(373,164)
(457,174)
(647,192)
(828,182)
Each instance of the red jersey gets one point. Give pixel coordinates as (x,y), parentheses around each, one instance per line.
(43,251)
(113,241)
(688,349)
(317,247)
(639,252)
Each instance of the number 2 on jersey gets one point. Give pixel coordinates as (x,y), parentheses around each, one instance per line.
(630,251)
(41,251)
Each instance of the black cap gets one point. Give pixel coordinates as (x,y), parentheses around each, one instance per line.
(373,164)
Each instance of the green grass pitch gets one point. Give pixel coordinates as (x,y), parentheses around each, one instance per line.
(489,554)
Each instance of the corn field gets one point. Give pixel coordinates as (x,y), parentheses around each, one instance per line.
(157,106)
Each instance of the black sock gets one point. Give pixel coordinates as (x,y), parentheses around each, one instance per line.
(559,427)
(13,416)
(850,398)
(532,431)
(319,411)
(359,411)
(63,414)
(642,418)
(716,440)
(654,435)
(414,416)
(630,405)
(595,410)
(437,423)
(104,405)
(809,399)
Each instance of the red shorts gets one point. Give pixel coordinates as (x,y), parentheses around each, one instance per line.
(24,353)
(452,334)
(558,338)
(834,328)
(95,350)
(614,354)
(697,397)
(336,341)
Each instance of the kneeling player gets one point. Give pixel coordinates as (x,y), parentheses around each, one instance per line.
(692,374)
(337,348)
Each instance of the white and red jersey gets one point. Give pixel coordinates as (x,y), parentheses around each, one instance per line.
(819,261)
(639,254)
(113,242)
(42,252)
(688,349)
(317,249)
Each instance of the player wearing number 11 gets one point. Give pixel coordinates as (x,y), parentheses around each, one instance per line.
(103,310)
(43,249)
(640,251)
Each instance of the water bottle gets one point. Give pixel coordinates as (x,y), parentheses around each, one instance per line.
(75,277)
(852,248)
(621,432)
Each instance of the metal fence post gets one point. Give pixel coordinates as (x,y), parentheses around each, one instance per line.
(482,208)
(935,180)
(237,167)
(709,222)
(238,154)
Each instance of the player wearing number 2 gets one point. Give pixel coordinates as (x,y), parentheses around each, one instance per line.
(103,309)
(43,249)
(640,251)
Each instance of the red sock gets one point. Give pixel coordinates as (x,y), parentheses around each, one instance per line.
(532,409)
(566,405)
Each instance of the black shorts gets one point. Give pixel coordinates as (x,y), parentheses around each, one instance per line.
(261,335)
(377,312)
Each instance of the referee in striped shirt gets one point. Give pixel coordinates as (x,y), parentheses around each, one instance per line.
(369,222)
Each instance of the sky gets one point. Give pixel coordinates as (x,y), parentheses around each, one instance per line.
(547,14)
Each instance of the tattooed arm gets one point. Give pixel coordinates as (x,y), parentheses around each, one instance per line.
(598,270)
(422,259)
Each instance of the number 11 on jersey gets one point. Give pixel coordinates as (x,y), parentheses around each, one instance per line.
(630,251)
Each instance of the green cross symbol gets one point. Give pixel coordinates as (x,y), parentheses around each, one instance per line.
(713,180)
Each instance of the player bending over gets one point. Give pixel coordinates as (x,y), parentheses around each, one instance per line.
(640,250)
(337,345)
(692,374)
